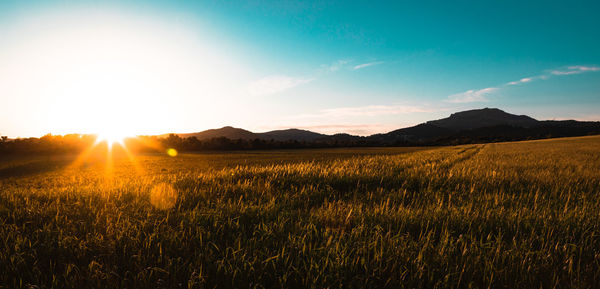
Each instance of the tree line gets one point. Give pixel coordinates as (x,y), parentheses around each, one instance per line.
(76,143)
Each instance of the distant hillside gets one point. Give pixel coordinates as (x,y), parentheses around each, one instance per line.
(227,132)
(472,126)
(484,125)
(413,134)
(486,117)
(238,133)
(460,121)
(467,127)
(291,134)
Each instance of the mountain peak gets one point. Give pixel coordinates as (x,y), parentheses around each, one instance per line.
(291,134)
(485,117)
(226,131)
(228,127)
(477,125)
(481,110)
(239,133)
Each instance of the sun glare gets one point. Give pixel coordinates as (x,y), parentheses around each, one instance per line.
(113,130)
(111,138)
(113,74)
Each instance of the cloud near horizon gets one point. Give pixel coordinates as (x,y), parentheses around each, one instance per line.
(275,83)
(360,129)
(358,120)
(370,110)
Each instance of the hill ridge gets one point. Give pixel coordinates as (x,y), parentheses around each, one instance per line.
(476,124)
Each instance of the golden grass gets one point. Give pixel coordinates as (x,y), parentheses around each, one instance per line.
(509,215)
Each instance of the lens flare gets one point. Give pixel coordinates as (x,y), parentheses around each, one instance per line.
(172,152)
(163,196)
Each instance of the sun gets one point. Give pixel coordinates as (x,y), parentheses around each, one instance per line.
(105,72)
(112,137)
(114,126)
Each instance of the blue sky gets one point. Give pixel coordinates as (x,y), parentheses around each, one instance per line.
(333,66)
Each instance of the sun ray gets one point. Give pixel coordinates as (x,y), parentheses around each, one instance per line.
(85,155)
(109,165)
(109,148)
(136,166)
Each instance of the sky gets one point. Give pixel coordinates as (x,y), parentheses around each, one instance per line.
(360,67)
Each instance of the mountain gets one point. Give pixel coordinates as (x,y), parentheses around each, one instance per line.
(487,117)
(227,132)
(291,134)
(456,122)
(416,133)
(238,133)
(471,126)
(484,125)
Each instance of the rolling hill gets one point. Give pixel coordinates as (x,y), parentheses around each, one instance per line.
(487,117)
(238,133)
(472,126)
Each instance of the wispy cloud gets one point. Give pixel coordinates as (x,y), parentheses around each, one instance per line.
(479,95)
(471,95)
(576,69)
(359,120)
(356,67)
(275,84)
(346,64)
(333,67)
(589,117)
(578,117)
(278,83)
(522,80)
(369,110)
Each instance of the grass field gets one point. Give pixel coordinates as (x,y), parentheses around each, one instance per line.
(507,215)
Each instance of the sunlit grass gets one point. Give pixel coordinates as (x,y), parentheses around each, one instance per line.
(513,215)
